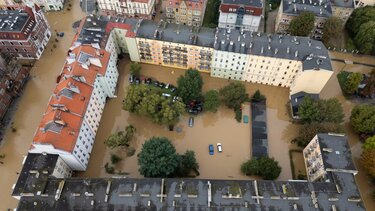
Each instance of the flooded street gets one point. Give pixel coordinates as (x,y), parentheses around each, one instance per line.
(208,128)
(33,102)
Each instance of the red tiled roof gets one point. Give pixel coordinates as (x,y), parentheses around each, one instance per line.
(63,118)
(190,4)
(256,10)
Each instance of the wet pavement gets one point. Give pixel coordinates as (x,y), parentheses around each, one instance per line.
(33,102)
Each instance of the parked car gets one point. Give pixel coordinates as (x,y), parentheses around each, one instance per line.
(137,80)
(219,147)
(193,111)
(156,83)
(173,89)
(175,98)
(166,95)
(191,121)
(131,78)
(167,86)
(211,149)
(147,81)
(161,85)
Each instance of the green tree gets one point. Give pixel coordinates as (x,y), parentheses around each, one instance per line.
(135,69)
(158,158)
(352,82)
(370,85)
(115,159)
(116,140)
(332,30)
(302,25)
(257,96)
(362,119)
(359,16)
(233,95)
(265,167)
(308,131)
(187,164)
(365,38)
(368,161)
(211,101)
(369,143)
(189,86)
(321,110)
(148,101)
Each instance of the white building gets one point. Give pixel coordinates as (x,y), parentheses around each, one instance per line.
(127,8)
(47,5)
(241,14)
(69,125)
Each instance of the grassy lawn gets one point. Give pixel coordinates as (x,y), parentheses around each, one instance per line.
(211,15)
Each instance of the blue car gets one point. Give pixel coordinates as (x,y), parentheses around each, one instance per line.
(211,149)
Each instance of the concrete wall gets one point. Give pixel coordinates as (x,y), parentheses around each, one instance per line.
(311,81)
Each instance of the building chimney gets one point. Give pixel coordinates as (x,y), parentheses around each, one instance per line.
(320,11)
(309,42)
(276,50)
(239,38)
(243,44)
(295,8)
(222,42)
(228,31)
(287,50)
(261,50)
(231,43)
(269,47)
(311,2)
(296,54)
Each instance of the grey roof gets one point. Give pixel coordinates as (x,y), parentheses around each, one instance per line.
(35,172)
(323,9)
(255,3)
(343,3)
(93,30)
(189,194)
(312,53)
(13,20)
(338,154)
(259,129)
(87,6)
(176,33)
(297,98)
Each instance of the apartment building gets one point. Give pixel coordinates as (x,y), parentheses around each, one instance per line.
(185,12)
(70,123)
(298,63)
(363,3)
(175,45)
(24,33)
(241,14)
(45,5)
(128,8)
(38,167)
(328,153)
(322,9)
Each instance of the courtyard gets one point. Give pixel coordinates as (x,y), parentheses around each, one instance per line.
(209,128)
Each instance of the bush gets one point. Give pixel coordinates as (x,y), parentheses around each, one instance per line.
(265,167)
(211,101)
(362,119)
(238,112)
(257,96)
(233,95)
(115,159)
(109,169)
(349,81)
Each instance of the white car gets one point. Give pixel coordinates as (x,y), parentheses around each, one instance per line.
(219,147)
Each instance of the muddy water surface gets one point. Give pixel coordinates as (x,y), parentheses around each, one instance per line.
(33,102)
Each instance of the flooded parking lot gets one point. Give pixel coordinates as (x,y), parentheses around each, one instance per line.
(208,129)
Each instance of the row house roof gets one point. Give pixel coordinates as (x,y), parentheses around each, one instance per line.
(253,3)
(321,8)
(190,4)
(67,106)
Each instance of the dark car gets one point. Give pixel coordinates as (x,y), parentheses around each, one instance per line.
(211,149)
(173,89)
(193,111)
(137,80)
(156,83)
(161,85)
(147,81)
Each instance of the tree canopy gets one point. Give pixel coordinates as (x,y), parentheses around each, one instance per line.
(321,110)
(302,25)
(349,81)
(189,86)
(120,138)
(148,101)
(332,30)
(365,38)
(135,68)
(369,143)
(211,101)
(368,161)
(265,167)
(158,158)
(362,119)
(187,164)
(309,130)
(233,95)
(361,27)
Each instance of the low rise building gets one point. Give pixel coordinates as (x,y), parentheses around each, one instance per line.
(12,79)
(296,100)
(241,14)
(46,5)
(24,33)
(325,154)
(128,8)
(185,12)
(363,3)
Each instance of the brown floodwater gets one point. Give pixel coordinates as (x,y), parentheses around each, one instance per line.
(33,102)
(208,128)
